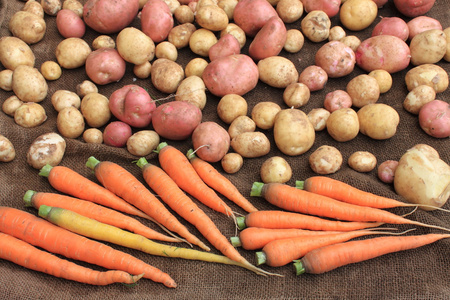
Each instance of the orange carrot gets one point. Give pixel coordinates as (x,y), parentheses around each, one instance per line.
(96,212)
(330,257)
(341,191)
(25,255)
(278,219)
(41,233)
(278,253)
(72,183)
(253,238)
(177,165)
(125,185)
(213,178)
(295,200)
(160,182)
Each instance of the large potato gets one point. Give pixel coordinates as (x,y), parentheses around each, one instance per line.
(294,134)
(434,118)
(427,74)
(46,149)
(65,98)
(210,141)
(251,144)
(336,58)
(105,65)
(378,121)
(269,41)
(251,15)
(166,75)
(417,97)
(428,47)
(27,26)
(277,71)
(135,46)
(28,84)
(156,20)
(72,53)
(15,52)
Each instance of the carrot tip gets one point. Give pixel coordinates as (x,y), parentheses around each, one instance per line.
(256,189)
(298,267)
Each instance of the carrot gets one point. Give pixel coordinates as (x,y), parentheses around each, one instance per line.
(125,185)
(43,234)
(295,200)
(177,165)
(253,238)
(213,178)
(94,211)
(278,219)
(330,257)
(91,228)
(160,182)
(278,253)
(341,191)
(25,255)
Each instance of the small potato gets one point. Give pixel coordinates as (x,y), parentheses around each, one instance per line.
(86,87)
(352,41)
(422,23)
(336,33)
(196,66)
(51,7)
(93,136)
(417,97)
(232,162)
(51,70)
(69,24)
(263,113)
(428,47)
(336,100)
(241,124)
(296,95)
(142,71)
(434,118)
(11,104)
(192,89)
(184,15)
(173,5)
(64,98)
(210,141)
(378,121)
(34,7)
(143,142)
(74,5)
(269,41)
(314,77)
(95,109)
(230,107)
(277,71)
(28,84)
(294,40)
(7,150)
(275,169)
(27,26)
(30,114)
(104,66)
(386,171)
(135,46)
(357,15)
(103,41)
(289,11)
(166,50)
(363,89)
(15,52)
(318,118)
(211,17)
(166,75)
(316,26)
(325,160)
(251,144)
(330,7)
(201,41)
(180,35)
(156,20)
(6,80)
(336,58)
(48,148)
(70,122)
(343,124)
(71,53)
(427,74)
(383,78)
(392,26)
(116,134)
(447,52)
(228,6)
(235,31)
(362,161)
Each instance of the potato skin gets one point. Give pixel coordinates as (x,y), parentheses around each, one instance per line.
(28,84)
(251,144)
(277,71)
(69,24)
(270,39)
(135,46)
(156,20)
(325,160)
(15,52)
(378,121)
(166,75)
(116,134)
(72,52)
(251,15)
(95,109)
(70,122)
(336,58)
(105,65)
(362,161)
(143,142)
(47,148)
(226,45)
(392,26)
(428,74)
(434,118)
(210,141)
(428,47)
(27,26)
(343,124)
(30,114)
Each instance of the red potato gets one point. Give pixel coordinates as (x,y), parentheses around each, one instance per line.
(176,120)
(434,118)
(133,105)
(414,8)
(386,171)
(69,24)
(226,45)
(270,39)
(156,20)
(314,77)
(422,23)
(251,15)
(392,26)
(239,70)
(105,16)
(210,141)
(336,100)
(330,7)
(104,66)
(336,59)
(116,134)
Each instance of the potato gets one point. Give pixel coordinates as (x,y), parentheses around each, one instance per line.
(142,71)
(211,17)
(294,41)
(28,84)
(337,99)
(176,120)
(156,20)
(428,47)
(51,7)
(30,114)
(386,171)
(251,15)
(48,148)
(116,134)
(336,58)
(363,89)
(210,141)
(34,7)
(51,70)
(422,178)
(27,26)
(392,26)
(362,161)
(383,52)
(378,121)
(357,15)
(95,109)
(277,71)
(325,160)
(316,26)
(336,33)
(64,98)
(230,107)
(192,89)
(296,95)
(383,78)
(294,134)
(201,41)
(72,53)
(318,118)
(6,80)
(269,41)
(69,24)
(434,118)
(427,74)
(93,136)
(422,23)
(235,31)
(331,8)
(412,8)
(105,16)
(104,66)
(135,46)
(70,122)
(228,6)
(314,77)
(251,144)
(447,52)
(226,45)
(241,124)
(73,5)
(417,97)
(143,142)
(166,75)
(180,35)
(173,5)
(86,87)
(352,41)
(7,150)
(275,169)
(15,52)
(184,15)
(289,11)
(196,66)
(240,70)
(11,104)
(167,50)
(103,41)
(343,124)
(232,162)
(263,114)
